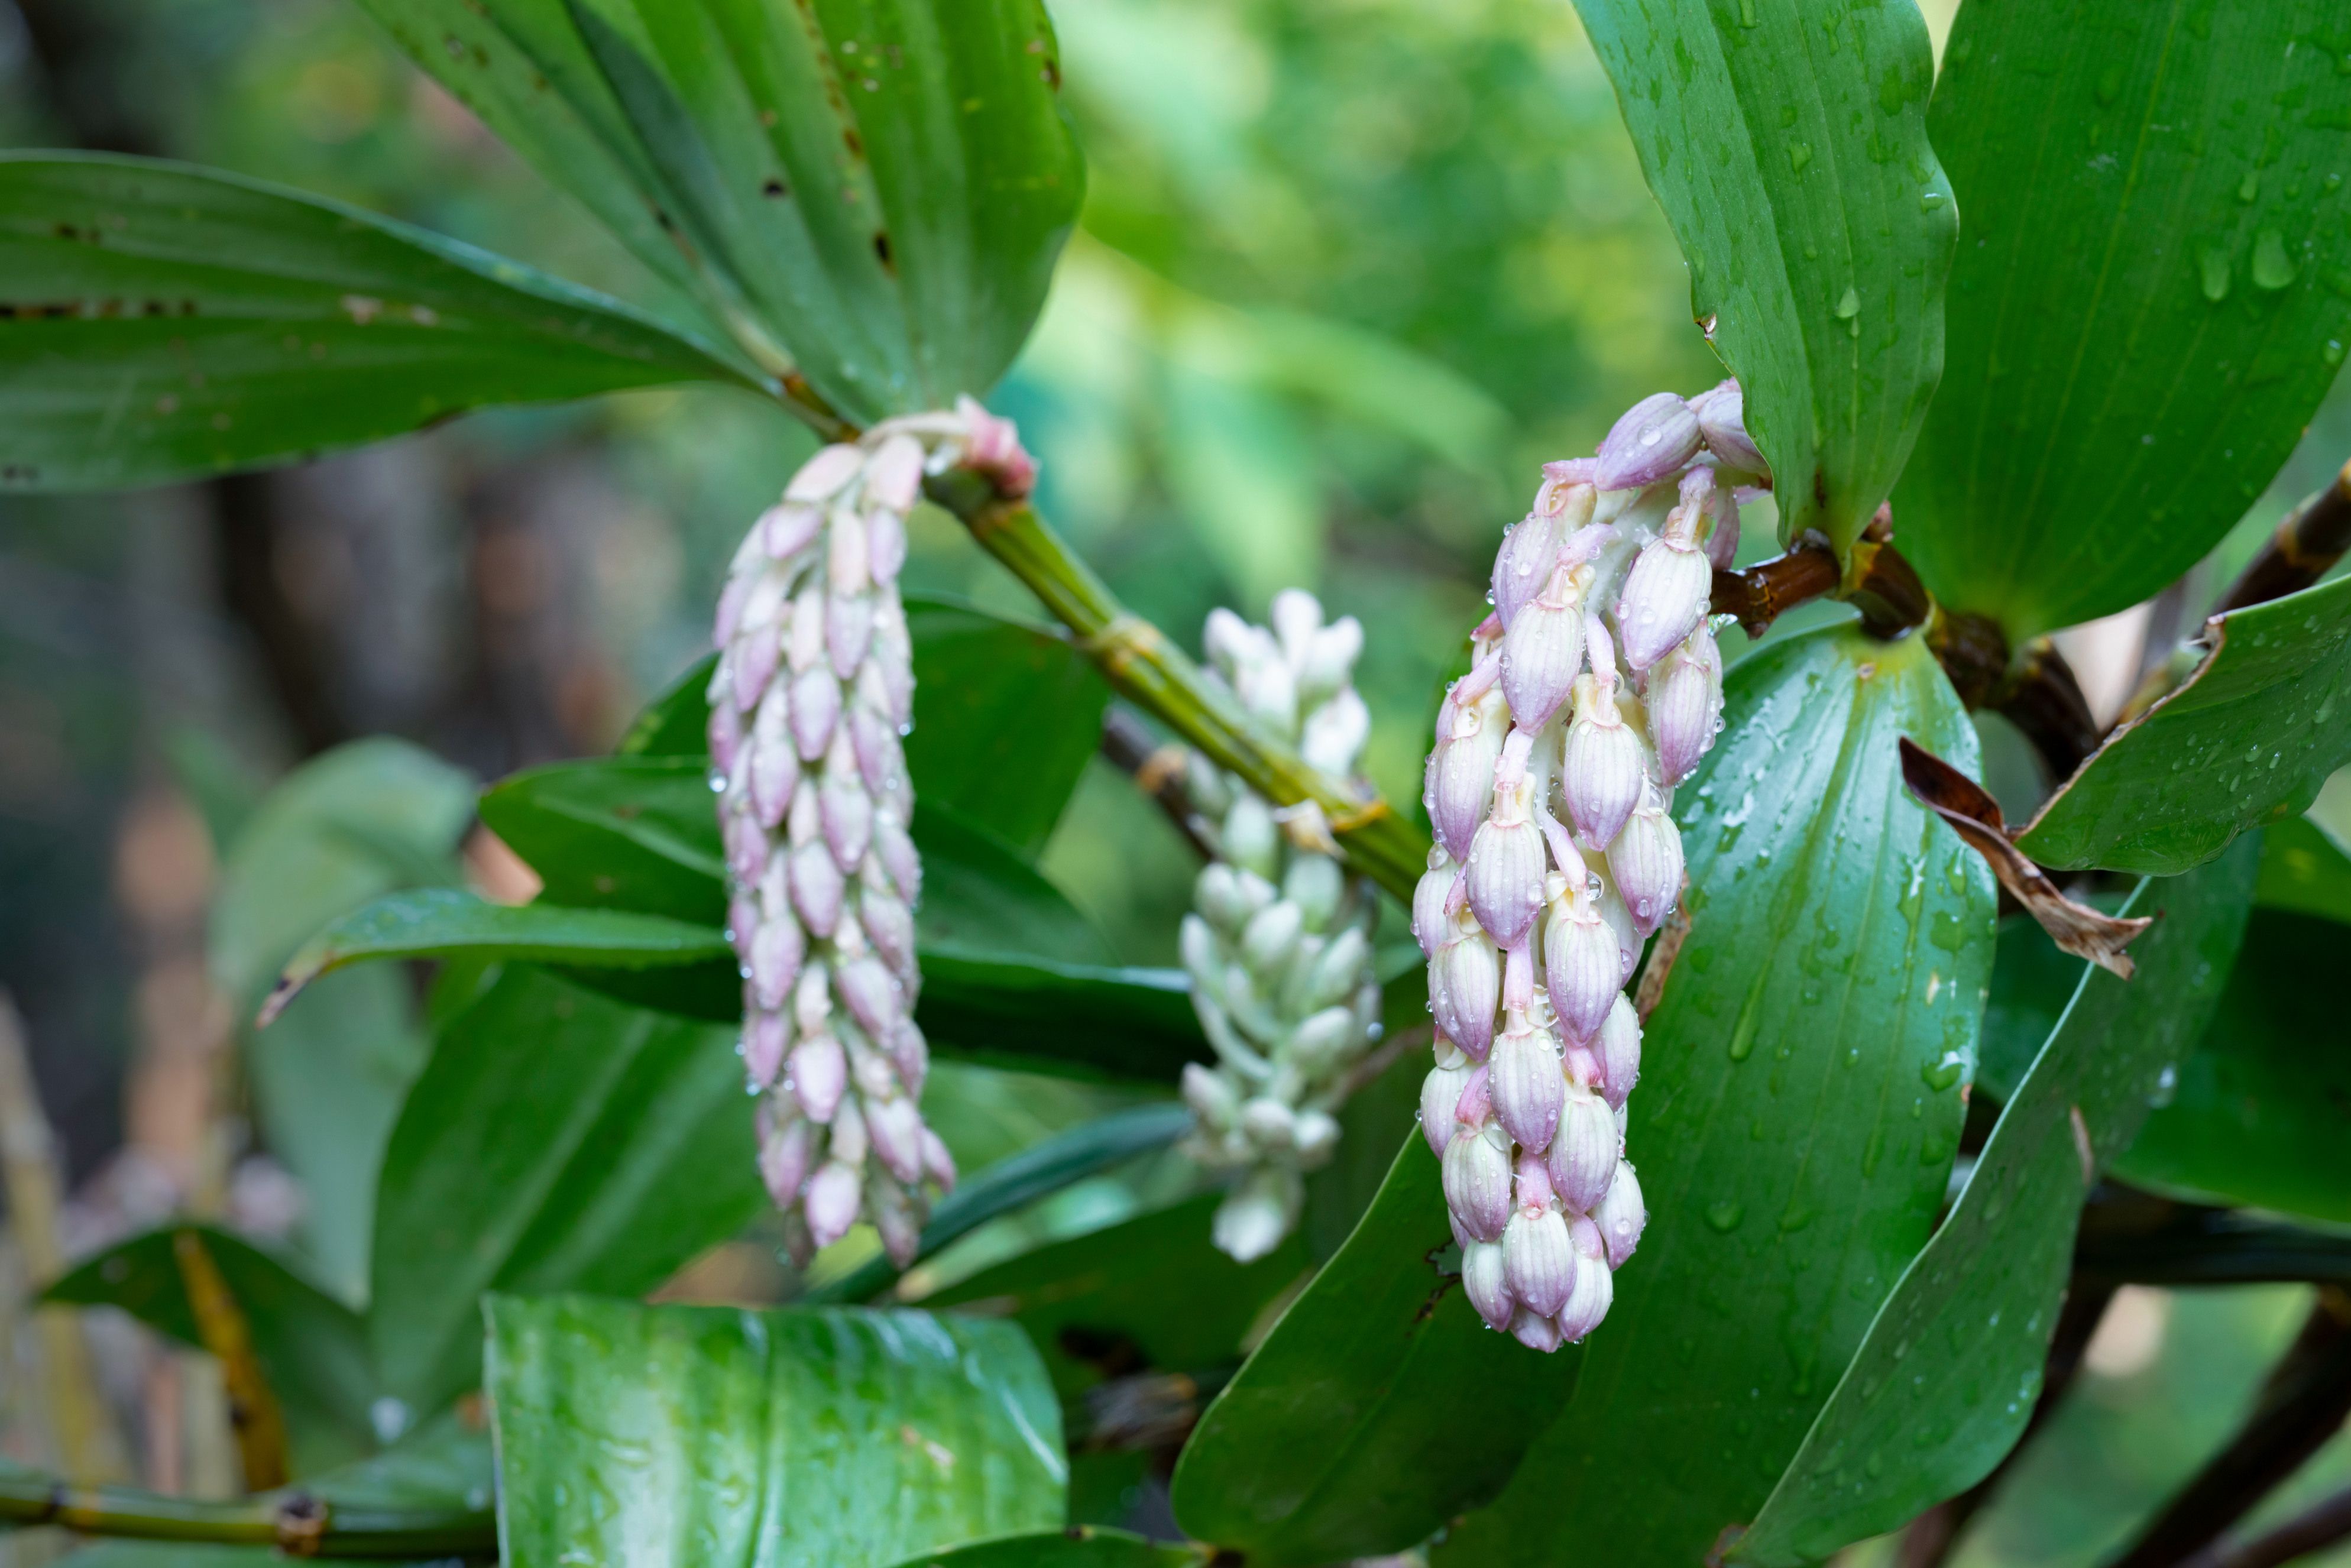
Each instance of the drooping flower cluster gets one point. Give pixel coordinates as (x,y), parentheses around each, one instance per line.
(813,689)
(1279,949)
(1595,688)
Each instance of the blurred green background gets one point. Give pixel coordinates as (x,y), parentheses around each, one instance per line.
(1349,270)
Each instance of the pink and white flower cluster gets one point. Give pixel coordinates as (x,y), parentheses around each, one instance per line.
(813,690)
(1595,689)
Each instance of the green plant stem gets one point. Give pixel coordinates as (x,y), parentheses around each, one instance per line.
(296,1522)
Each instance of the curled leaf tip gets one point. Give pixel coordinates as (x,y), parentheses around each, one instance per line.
(2076,929)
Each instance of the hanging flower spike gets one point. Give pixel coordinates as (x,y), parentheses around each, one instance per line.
(1594,689)
(1278,944)
(814,685)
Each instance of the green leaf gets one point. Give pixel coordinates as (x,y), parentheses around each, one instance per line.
(1789,150)
(162,323)
(2304,869)
(1079,1546)
(348,826)
(1947,1379)
(2257,1113)
(2151,302)
(2247,739)
(1032,1014)
(715,1437)
(1154,1287)
(312,1348)
(879,187)
(1084,1150)
(1378,1408)
(443,922)
(556,1141)
(1005,717)
(1798,1111)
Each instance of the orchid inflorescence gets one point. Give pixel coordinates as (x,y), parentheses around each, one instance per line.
(1279,948)
(1594,690)
(812,691)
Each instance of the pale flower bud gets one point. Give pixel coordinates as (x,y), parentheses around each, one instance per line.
(1332,737)
(1258,1214)
(1603,767)
(1465,985)
(1535,1333)
(832,1202)
(1619,1052)
(826,474)
(1430,925)
(1664,597)
(1582,968)
(1525,1084)
(1523,565)
(1460,787)
(1441,1091)
(1538,1260)
(819,1076)
(1684,701)
(1647,863)
(1622,1215)
(1507,866)
(1582,1154)
(1543,649)
(895,1129)
(1721,415)
(784,1157)
(1210,1095)
(1485,1280)
(1477,1180)
(1653,439)
(1595,1286)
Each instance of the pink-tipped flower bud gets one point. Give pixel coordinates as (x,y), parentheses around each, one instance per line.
(832,1202)
(1477,1180)
(1506,864)
(819,1076)
(1485,1280)
(1603,767)
(992,448)
(1441,1091)
(937,1164)
(896,852)
(1685,701)
(826,474)
(893,1212)
(765,1039)
(1595,1287)
(1583,1155)
(1582,970)
(1622,1215)
(1645,862)
(778,947)
(896,1129)
(1460,783)
(1721,415)
(817,887)
(1524,563)
(1525,1084)
(1544,648)
(872,994)
(1665,595)
(1653,439)
(1538,1260)
(848,631)
(784,1156)
(1619,1052)
(816,708)
(893,474)
(1534,1333)
(1430,923)
(911,1052)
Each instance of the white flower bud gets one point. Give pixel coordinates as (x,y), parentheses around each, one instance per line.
(1655,438)
(1603,766)
(1645,862)
(1477,1177)
(1440,1093)
(1258,1214)
(1583,1155)
(1525,1084)
(1485,1280)
(1622,1215)
(1619,1050)
(1538,1260)
(1543,649)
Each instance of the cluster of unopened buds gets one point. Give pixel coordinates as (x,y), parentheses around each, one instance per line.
(1596,687)
(812,693)
(1279,947)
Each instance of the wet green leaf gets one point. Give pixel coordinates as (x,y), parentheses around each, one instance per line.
(1788,145)
(556,1141)
(162,323)
(1151,1291)
(2153,296)
(875,189)
(1079,1546)
(2248,738)
(1798,1109)
(1378,1408)
(835,1438)
(1948,1376)
(313,1349)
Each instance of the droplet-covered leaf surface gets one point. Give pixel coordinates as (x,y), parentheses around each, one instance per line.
(1798,1111)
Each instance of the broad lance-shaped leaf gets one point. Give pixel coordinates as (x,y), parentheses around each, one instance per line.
(1798,1111)
(159,322)
(2247,739)
(1347,1432)
(2304,869)
(1079,1546)
(312,1348)
(556,1141)
(727,1438)
(876,189)
(1947,1378)
(1787,143)
(1007,715)
(2153,296)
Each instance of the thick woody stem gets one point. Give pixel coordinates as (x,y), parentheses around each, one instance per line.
(1761,593)
(2312,537)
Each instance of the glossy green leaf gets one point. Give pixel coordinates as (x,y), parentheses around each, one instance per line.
(646,1436)
(1153,1288)
(1079,1546)
(1349,1431)
(1005,717)
(556,1141)
(162,323)
(2304,869)
(1787,146)
(1071,1155)
(878,187)
(1798,1109)
(2247,739)
(350,825)
(2152,298)
(443,922)
(1947,1379)
(2259,1113)
(313,1349)
(1031,1013)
